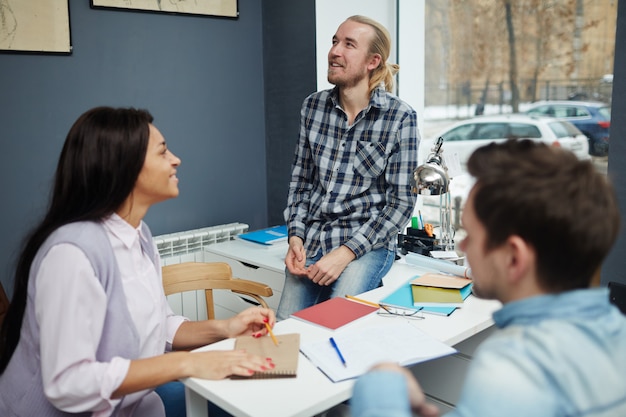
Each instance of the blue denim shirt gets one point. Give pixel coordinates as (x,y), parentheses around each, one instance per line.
(555,355)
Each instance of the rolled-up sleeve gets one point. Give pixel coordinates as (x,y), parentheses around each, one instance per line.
(380,394)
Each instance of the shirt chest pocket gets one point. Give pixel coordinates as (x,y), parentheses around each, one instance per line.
(370,159)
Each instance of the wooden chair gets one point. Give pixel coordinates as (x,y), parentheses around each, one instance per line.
(192,276)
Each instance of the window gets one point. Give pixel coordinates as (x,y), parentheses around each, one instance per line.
(519,130)
(491,131)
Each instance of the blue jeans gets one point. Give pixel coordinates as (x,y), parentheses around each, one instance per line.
(173,396)
(363,274)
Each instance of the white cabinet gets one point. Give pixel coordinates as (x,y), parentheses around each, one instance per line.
(250,261)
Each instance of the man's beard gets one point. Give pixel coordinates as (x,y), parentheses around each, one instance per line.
(345,82)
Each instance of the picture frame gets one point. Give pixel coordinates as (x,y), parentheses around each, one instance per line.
(35,26)
(221,8)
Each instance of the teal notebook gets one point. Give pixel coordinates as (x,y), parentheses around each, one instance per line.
(269,236)
(403,298)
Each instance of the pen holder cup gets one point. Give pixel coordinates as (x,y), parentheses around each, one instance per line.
(418,233)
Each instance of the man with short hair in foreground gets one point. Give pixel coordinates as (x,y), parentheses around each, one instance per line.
(539,223)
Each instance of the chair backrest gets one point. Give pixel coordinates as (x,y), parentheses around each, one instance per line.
(209,276)
(4,304)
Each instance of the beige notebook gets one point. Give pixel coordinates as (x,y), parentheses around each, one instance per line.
(284,356)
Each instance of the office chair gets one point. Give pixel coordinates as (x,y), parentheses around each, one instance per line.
(209,276)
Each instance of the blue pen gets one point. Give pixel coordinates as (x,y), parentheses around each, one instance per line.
(332,342)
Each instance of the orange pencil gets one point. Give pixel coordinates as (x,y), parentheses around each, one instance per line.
(371,303)
(269,330)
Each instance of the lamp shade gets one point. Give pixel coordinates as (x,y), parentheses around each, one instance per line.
(431,178)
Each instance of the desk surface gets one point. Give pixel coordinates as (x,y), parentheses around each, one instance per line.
(311,392)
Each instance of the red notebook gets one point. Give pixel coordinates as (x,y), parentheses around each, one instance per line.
(334,313)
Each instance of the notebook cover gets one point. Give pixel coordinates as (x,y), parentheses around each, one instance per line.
(269,236)
(334,313)
(284,356)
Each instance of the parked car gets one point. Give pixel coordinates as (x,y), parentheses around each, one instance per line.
(592,118)
(462,138)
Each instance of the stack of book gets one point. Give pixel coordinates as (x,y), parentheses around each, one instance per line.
(403,298)
(440,290)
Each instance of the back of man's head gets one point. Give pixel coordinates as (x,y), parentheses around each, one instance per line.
(561,206)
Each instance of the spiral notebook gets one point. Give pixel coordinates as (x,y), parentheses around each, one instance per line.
(284,356)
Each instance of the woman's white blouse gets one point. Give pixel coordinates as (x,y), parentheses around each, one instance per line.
(70,306)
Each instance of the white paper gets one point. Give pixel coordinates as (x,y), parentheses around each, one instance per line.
(397,341)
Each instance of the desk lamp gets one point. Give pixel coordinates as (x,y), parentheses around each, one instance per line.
(431,178)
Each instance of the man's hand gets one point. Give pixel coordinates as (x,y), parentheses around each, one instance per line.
(416,395)
(295,260)
(330,266)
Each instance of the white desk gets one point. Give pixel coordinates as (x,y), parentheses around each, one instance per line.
(311,392)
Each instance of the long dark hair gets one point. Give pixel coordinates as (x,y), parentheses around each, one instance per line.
(104,152)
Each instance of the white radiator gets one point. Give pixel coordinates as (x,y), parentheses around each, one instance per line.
(188,246)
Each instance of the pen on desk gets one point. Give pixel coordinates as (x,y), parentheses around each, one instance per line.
(421,220)
(371,303)
(269,330)
(332,342)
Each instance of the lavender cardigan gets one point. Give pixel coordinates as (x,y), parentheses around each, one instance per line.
(21,387)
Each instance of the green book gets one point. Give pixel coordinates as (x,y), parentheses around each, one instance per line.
(437,290)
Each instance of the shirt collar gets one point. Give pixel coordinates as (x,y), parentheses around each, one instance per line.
(378,98)
(576,303)
(126,233)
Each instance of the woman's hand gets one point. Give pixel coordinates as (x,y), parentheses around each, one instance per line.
(221,364)
(251,321)
(216,364)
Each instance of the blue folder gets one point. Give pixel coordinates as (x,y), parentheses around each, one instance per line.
(267,236)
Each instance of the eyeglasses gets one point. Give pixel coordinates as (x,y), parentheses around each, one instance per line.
(408,313)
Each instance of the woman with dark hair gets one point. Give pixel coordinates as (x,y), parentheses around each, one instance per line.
(89,323)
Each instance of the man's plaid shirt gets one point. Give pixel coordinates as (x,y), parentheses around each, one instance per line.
(350,185)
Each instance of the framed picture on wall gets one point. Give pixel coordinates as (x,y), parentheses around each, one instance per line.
(35,26)
(226,8)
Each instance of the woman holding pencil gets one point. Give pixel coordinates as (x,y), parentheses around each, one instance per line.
(89,323)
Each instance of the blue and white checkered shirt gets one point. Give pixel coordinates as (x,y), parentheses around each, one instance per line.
(350,185)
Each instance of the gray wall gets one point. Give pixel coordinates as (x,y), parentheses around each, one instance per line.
(202,79)
(290,76)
